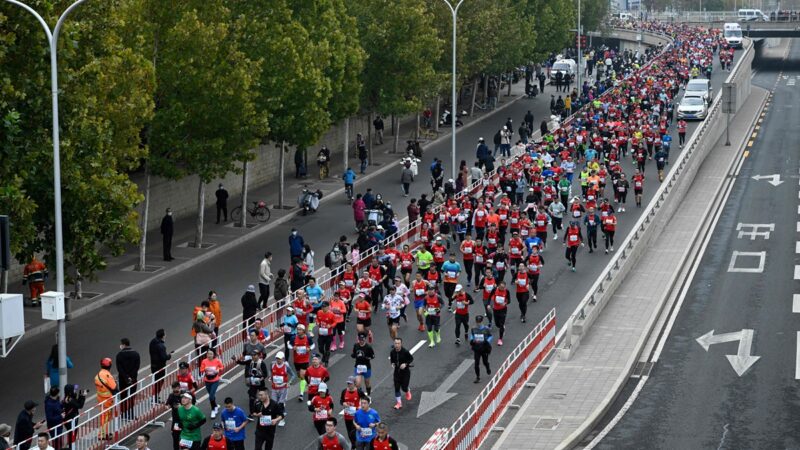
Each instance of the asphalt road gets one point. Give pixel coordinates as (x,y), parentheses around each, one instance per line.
(694,399)
(168,304)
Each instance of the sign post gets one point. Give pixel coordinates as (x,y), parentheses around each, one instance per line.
(728,107)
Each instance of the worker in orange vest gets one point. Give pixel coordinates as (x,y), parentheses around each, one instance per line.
(34,275)
(106,388)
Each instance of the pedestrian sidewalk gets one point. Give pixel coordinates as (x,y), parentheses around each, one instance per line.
(120,278)
(573,395)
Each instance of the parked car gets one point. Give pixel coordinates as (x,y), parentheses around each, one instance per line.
(751,15)
(692,108)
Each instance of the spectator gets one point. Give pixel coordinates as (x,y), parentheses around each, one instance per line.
(296,244)
(54,411)
(5,436)
(73,403)
(359,211)
(299,166)
(222,202)
(215,309)
(128,363)
(249,305)
(308,259)
(158,361)
(25,427)
(167,230)
(142,442)
(43,441)
(264,279)
(378,124)
(51,366)
(281,285)
(216,440)
(413,211)
(297,277)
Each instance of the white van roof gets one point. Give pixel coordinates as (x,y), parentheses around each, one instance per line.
(732,26)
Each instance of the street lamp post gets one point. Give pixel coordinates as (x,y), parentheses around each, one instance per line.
(580,56)
(454,112)
(52,38)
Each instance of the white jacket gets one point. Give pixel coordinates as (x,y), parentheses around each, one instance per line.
(265,272)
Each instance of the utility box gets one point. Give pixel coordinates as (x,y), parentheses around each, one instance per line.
(729,98)
(53,306)
(12,316)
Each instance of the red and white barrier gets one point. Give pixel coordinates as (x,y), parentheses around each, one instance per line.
(471,428)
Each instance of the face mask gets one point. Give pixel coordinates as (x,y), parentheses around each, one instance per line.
(294,233)
(169,213)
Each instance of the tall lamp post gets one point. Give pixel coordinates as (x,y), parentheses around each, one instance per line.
(580,56)
(454,112)
(52,39)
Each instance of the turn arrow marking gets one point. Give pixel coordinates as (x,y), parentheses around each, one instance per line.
(430,400)
(742,360)
(774,180)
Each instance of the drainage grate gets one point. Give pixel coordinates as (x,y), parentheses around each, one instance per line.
(642,368)
(547,423)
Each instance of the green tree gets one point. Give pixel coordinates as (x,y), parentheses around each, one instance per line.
(105,91)
(553,20)
(206,119)
(403,49)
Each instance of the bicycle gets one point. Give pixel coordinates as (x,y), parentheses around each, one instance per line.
(259,211)
(348,190)
(481,106)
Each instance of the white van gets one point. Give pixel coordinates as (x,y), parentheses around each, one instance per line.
(565,66)
(732,33)
(751,15)
(625,16)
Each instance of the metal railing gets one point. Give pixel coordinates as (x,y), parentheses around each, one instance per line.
(623,260)
(470,429)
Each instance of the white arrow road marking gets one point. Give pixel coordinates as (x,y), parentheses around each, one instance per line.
(430,400)
(742,360)
(774,179)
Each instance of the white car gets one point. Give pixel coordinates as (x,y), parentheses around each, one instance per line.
(699,87)
(692,108)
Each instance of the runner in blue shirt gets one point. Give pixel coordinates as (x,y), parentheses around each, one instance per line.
(365,421)
(531,241)
(234,420)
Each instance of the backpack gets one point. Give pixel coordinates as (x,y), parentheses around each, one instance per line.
(329,260)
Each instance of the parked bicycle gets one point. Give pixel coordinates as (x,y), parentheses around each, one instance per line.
(259,211)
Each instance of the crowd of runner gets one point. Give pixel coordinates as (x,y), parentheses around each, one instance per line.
(478,257)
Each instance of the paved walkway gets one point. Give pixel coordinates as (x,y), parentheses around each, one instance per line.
(120,279)
(573,394)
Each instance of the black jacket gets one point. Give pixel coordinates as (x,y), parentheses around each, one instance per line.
(401,357)
(128,363)
(23,429)
(167,226)
(222,197)
(249,305)
(158,355)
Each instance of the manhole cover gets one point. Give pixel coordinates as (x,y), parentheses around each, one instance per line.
(558,396)
(547,424)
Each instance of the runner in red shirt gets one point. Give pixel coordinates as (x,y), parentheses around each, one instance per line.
(572,239)
(522,285)
(638,187)
(535,263)
(467,248)
(406,259)
(609,228)
(500,309)
(321,407)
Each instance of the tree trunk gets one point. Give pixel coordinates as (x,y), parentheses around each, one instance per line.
(243,222)
(474,94)
(281,174)
(201,205)
(346,151)
(397,138)
(510,80)
(416,130)
(436,115)
(369,139)
(485,89)
(145,213)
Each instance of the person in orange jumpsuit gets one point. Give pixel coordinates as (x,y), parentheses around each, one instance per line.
(34,275)
(106,388)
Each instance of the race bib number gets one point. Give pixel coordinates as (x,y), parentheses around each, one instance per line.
(323,331)
(432,311)
(540,223)
(501,265)
(419,292)
(361,368)
(321,414)
(350,410)
(515,251)
(638,184)
(460,305)
(451,274)
(479,338)
(366,432)
(185,443)
(493,241)
(522,282)
(363,315)
(576,213)
(230,424)
(184,386)
(287,329)
(315,381)
(503,217)
(277,379)
(467,250)
(622,188)
(500,300)
(265,421)
(573,238)
(488,288)
(478,259)
(533,267)
(348,283)
(301,350)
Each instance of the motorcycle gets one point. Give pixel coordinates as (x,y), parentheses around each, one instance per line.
(309,200)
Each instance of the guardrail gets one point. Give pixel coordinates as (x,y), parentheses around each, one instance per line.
(471,428)
(138,407)
(646,228)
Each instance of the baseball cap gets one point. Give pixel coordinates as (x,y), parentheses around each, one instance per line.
(301,327)
(187,395)
(280,355)
(351,380)
(251,288)
(459,288)
(362,336)
(323,387)
(217,426)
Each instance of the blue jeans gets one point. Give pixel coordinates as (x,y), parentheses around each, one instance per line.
(505,149)
(211,388)
(363,165)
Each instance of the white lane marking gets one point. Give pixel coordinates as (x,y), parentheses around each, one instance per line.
(796,303)
(418,346)
(762,256)
(797,272)
(797,359)
(797,247)
(798,227)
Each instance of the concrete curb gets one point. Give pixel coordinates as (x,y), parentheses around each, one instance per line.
(216,250)
(691,253)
